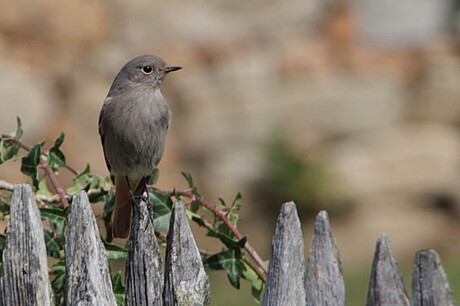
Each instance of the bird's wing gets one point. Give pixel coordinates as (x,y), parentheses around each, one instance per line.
(101,127)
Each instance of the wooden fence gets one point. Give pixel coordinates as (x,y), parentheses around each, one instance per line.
(184,282)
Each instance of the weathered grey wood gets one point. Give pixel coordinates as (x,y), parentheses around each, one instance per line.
(430,286)
(286,273)
(386,287)
(144,270)
(186,282)
(324,281)
(87,279)
(25,271)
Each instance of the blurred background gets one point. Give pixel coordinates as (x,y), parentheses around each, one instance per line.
(349,106)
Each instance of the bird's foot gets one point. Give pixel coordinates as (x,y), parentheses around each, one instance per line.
(140,198)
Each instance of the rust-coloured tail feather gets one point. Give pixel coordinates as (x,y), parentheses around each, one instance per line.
(123,205)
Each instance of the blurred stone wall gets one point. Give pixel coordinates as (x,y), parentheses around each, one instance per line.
(368,88)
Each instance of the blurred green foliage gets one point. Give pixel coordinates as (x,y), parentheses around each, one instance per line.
(290,177)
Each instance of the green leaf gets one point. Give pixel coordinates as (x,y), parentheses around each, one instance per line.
(199,220)
(58,288)
(54,238)
(191,215)
(257,288)
(161,206)
(235,208)
(58,142)
(43,188)
(222,204)
(53,248)
(236,205)
(257,285)
(58,282)
(224,229)
(154,177)
(81,181)
(2,158)
(188,177)
(195,192)
(98,196)
(30,163)
(109,205)
(56,157)
(227,240)
(98,181)
(5,208)
(56,216)
(194,206)
(9,149)
(115,251)
(6,197)
(19,131)
(117,283)
(118,288)
(228,260)
(2,247)
(231,243)
(86,171)
(59,266)
(67,211)
(159,198)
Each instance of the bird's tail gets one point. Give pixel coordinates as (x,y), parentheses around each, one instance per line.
(123,204)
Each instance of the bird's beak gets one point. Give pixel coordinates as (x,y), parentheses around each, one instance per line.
(169,69)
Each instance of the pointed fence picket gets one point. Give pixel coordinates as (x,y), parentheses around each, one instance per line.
(144,267)
(286,273)
(183,281)
(24,280)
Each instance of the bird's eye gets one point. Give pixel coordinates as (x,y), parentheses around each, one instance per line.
(147,69)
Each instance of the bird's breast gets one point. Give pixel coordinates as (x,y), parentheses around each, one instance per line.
(137,134)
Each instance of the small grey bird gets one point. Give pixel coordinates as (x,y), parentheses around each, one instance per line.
(132,124)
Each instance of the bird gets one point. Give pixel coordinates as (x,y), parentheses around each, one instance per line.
(133,124)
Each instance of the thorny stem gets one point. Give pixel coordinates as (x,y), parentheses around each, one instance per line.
(54,181)
(44,165)
(222,216)
(10,138)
